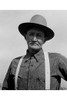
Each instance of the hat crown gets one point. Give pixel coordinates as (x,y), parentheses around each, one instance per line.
(39,19)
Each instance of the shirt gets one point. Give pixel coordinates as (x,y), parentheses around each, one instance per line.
(32,72)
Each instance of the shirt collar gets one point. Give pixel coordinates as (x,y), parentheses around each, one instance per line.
(38,56)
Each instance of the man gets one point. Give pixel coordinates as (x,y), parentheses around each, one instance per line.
(34,70)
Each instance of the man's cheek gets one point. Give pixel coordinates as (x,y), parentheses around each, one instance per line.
(28,40)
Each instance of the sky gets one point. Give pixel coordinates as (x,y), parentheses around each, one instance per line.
(13,44)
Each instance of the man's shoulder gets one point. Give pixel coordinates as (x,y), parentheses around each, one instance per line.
(54,54)
(16,60)
(57,56)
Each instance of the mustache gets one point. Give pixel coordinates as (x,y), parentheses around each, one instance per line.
(35,42)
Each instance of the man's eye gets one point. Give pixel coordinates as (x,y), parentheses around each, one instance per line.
(31,34)
(38,35)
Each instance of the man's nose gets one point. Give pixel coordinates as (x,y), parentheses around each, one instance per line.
(34,38)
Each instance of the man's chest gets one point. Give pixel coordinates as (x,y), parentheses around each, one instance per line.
(32,73)
(35,69)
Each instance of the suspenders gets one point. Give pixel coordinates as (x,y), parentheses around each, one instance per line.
(17,72)
(47,72)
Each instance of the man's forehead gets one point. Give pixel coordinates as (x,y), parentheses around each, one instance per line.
(35,30)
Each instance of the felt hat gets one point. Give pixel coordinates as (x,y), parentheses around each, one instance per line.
(39,22)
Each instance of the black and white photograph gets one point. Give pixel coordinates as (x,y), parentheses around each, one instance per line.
(33,49)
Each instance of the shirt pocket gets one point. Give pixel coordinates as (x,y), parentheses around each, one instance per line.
(54,74)
(23,73)
(13,72)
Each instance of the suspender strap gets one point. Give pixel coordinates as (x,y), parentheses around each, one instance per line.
(17,72)
(47,71)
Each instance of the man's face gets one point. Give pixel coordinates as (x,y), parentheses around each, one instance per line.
(35,38)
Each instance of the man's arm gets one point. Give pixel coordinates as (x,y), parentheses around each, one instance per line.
(62,66)
(8,83)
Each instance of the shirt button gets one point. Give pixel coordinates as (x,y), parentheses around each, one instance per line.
(31,65)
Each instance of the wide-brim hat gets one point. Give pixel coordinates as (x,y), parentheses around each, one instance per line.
(39,22)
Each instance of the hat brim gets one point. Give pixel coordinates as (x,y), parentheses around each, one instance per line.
(24,27)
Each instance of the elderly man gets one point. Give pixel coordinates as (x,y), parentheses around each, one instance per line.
(36,70)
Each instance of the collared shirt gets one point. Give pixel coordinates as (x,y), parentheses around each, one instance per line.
(32,72)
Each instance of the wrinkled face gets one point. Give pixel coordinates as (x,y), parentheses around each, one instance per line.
(35,38)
